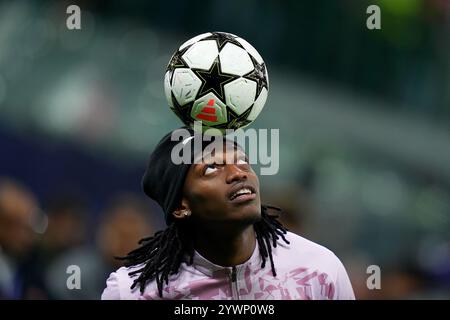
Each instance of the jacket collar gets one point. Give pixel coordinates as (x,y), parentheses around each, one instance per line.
(213,270)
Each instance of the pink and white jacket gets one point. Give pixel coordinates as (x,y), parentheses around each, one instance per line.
(305,270)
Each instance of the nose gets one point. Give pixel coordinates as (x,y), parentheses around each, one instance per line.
(234,173)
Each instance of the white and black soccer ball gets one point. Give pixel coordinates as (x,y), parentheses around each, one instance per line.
(217,78)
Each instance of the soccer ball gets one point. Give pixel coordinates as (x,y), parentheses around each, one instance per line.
(218,79)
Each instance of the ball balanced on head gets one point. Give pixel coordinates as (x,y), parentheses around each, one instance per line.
(218,79)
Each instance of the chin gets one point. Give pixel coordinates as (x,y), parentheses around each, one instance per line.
(248,214)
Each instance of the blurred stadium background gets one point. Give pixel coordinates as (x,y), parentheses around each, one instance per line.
(364,119)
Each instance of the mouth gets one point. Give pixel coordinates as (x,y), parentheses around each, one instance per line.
(242,193)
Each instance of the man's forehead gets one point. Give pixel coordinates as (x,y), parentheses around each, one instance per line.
(229,150)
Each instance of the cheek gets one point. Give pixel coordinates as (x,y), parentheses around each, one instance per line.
(206,199)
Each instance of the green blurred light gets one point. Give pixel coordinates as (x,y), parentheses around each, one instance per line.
(405,8)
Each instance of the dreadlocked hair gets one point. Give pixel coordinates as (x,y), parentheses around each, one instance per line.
(162,254)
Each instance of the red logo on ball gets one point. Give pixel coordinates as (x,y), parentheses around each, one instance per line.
(208,112)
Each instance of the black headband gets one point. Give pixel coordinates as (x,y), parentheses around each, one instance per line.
(163,180)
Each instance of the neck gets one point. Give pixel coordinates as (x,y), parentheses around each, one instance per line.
(226,247)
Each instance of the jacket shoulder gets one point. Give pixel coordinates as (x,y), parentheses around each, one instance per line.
(306,252)
(118,286)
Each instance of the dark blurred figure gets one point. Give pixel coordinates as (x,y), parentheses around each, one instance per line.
(125,221)
(66,225)
(397,283)
(17,209)
(295,207)
(66,230)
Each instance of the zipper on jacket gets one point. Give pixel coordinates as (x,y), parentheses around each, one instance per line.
(234,287)
(233,274)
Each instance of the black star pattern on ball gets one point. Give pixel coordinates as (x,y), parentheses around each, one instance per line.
(183,112)
(240,121)
(222,38)
(236,121)
(177,61)
(213,80)
(258,74)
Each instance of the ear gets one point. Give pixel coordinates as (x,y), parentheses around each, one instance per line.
(183,212)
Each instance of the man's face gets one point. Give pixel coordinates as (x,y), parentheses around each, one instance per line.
(16,209)
(219,191)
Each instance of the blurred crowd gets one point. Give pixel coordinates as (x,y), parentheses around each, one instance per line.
(38,242)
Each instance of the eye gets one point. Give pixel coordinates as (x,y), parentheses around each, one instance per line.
(242,161)
(210,168)
(243,164)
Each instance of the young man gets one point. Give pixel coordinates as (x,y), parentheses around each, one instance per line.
(221,243)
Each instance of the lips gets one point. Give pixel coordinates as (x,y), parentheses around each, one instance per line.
(242,192)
